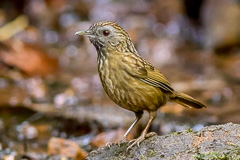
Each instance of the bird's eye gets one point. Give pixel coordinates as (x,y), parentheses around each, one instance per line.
(106,32)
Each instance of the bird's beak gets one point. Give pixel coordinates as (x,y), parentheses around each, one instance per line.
(84,33)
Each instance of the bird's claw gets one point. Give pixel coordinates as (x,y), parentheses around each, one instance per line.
(150,134)
(109,144)
(139,140)
(135,142)
(131,141)
(122,141)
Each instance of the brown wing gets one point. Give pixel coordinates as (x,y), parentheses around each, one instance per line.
(145,72)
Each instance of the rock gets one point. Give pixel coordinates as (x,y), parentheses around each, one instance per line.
(212,142)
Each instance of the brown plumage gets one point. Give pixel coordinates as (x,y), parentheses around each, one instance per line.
(129,80)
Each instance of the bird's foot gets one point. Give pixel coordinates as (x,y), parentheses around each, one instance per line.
(122,141)
(109,144)
(139,140)
(150,134)
(135,142)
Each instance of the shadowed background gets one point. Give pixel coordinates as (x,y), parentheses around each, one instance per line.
(49,85)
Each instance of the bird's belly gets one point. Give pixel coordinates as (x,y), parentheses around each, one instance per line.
(130,93)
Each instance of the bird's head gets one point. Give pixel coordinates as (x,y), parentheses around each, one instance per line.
(108,35)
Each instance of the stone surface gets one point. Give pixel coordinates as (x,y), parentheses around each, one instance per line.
(212,142)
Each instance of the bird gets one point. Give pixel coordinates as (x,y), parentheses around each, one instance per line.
(130,81)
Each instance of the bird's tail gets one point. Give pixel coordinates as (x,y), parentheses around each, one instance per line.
(186,100)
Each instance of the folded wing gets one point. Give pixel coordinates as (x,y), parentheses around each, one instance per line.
(147,73)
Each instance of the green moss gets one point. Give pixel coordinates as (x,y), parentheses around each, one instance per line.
(234,145)
(211,156)
(152,153)
(189,130)
(189,151)
(121,145)
(228,154)
(175,133)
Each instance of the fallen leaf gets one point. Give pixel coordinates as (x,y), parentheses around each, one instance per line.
(31,59)
(66,148)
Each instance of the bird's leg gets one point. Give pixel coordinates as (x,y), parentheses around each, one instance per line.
(138,117)
(144,134)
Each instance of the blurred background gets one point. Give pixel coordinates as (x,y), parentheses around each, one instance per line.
(52,104)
